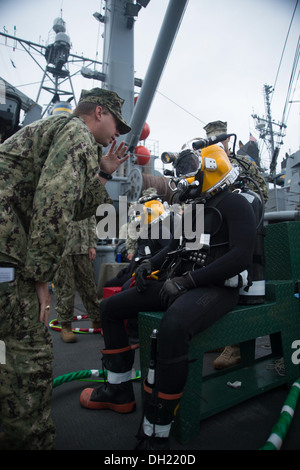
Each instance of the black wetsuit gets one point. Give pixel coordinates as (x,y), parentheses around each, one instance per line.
(233,231)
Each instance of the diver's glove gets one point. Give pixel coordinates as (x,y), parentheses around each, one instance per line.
(141,272)
(175,287)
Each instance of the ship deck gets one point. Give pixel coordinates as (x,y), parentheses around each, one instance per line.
(246,426)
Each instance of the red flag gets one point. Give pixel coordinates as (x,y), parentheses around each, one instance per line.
(253,139)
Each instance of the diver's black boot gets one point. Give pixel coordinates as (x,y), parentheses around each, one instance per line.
(117,393)
(115,397)
(160,410)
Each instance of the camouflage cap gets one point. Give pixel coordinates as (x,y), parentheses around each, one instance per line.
(215,128)
(111,100)
(149,191)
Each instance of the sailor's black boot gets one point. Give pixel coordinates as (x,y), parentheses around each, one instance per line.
(160,410)
(117,393)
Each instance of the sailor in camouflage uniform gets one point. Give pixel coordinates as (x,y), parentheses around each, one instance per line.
(48,177)
(76,272)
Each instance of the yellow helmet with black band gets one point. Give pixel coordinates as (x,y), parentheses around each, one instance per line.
(200,172)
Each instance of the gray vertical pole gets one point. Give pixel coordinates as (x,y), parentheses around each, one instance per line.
(169,29)
(118,55)
(118,65)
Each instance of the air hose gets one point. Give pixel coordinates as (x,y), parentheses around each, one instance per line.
(280,429)
(89,375)
(55,326)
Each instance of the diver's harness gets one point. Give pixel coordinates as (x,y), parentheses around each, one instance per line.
(197,258)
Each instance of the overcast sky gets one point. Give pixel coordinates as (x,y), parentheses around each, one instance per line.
(224,53)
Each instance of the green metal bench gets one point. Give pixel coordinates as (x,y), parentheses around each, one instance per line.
(282,251)
(206,395)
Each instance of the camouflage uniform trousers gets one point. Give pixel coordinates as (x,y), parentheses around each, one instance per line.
(75,272)
(26,374)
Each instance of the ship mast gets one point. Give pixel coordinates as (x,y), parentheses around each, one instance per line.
(266,129)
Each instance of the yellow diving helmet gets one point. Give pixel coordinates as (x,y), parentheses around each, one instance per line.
(153,209)
(216,169)
(200,172)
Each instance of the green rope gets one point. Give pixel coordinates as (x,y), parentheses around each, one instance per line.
(279,431)
(98,376)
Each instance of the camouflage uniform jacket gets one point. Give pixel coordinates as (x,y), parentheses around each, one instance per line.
(47,179)
(254,173)
(81,236)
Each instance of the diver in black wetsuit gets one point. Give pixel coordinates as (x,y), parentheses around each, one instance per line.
(193,295)
(154,219)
